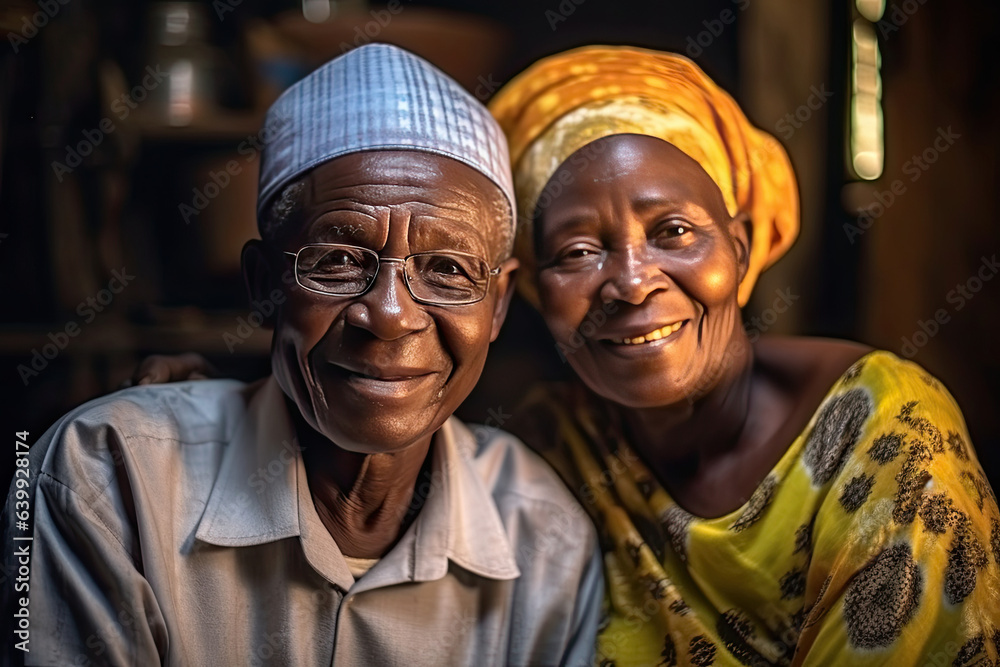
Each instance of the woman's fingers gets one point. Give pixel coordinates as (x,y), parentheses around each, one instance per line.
(173,368)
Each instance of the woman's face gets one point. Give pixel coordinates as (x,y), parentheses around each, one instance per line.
(639,265)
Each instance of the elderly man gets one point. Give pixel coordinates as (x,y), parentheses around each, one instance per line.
(336,512)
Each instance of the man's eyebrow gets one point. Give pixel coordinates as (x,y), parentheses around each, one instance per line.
(348,204)
(448,232)
(337,222)
(464,204)
(337,232)
(340,206)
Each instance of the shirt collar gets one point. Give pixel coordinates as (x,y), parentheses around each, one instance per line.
(253,499)
(261,495)
(460,520)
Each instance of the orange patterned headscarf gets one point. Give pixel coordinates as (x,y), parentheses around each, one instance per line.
(564,102)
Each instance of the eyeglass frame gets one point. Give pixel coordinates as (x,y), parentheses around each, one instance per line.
(392,260)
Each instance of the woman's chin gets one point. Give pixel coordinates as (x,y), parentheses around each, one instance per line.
(638,393)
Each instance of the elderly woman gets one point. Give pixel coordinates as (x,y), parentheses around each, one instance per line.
(784,501)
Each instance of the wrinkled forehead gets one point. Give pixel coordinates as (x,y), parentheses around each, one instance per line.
(385,175)
(438,197)
(642,169)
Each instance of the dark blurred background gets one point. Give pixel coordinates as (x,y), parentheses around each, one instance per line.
(129,132)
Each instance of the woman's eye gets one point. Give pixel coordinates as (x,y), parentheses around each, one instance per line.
(673,232)
(577,256)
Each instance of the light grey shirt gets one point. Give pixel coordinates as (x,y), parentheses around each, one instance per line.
(174,525)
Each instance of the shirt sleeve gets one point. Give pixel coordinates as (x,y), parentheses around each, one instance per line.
(907,553)
(88,602)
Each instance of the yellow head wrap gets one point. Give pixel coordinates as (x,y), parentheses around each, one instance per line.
(562,103)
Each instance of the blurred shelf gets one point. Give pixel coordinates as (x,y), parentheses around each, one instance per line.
(96,339)
(221,126)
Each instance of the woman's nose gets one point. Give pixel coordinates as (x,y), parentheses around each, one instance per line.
(632,275)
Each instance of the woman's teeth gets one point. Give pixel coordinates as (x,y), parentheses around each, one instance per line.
(662,332)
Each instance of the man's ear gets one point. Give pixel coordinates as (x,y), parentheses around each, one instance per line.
(741,230)
(505,283)
(259,277)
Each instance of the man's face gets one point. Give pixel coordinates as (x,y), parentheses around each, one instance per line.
(379,372)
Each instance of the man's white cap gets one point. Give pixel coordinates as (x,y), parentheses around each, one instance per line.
(378,97)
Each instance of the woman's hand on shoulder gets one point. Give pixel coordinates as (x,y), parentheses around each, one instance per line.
(160,368)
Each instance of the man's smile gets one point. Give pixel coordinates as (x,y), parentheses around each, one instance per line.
(385,381)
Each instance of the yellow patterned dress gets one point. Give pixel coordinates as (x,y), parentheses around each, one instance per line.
(875,540)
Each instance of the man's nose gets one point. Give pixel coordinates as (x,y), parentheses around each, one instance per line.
(387,309)
(632,275)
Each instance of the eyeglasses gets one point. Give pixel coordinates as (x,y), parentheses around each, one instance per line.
(432,278)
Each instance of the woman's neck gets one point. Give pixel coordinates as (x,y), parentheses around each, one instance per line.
(365,501)
(685,443)
(711,454)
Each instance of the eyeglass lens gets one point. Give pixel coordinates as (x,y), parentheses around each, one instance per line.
(438,277)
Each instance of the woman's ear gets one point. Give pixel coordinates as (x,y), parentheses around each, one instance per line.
(259,278)
(741,230)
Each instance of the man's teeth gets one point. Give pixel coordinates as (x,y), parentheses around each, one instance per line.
(662,332)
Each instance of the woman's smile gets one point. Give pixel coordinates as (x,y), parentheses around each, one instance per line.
(663,333)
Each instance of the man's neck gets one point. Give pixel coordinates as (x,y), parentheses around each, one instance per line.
(365,501)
